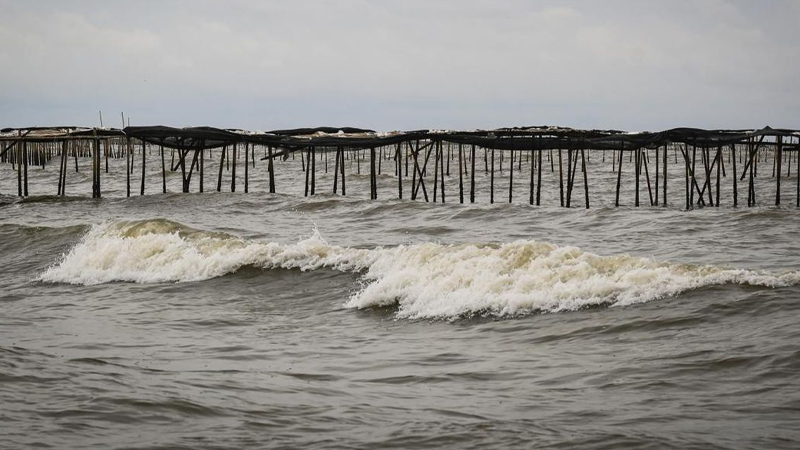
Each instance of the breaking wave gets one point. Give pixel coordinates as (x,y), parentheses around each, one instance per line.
(426,280)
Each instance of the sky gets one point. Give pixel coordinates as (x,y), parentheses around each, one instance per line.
(401,64)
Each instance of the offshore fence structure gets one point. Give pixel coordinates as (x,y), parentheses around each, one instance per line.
(422,160)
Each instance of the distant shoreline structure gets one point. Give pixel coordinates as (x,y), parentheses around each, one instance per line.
(702,154)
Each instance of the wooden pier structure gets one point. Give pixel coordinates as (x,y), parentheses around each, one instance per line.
(422,160)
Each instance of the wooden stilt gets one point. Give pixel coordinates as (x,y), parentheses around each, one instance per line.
(779,160)
(399,162)
(437,156)
(336,170)
(665,176)
(141,191)
(656,176)
(511,175)
(307,167)
(221,166)
(539,178)
(313,170)
(202,165)
(638,167)
(619,178)
(164,171)
(233,158)
(460,175)
(341,168)
(686,170)
(61,167)
(692,173)
(585,178)
(568,196)
(491,182)
(560,179)
(96,168)
(735,176)
(472,176)
(373,176)
(719,166)
(643,159)
(532,181)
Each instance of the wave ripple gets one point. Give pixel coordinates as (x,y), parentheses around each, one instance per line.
(428,280)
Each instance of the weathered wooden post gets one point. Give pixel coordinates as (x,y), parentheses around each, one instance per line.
(233,159)
(246,170)
(779,160)
(141,192)
(472,176)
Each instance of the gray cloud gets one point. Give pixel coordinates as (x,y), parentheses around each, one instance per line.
(402,64)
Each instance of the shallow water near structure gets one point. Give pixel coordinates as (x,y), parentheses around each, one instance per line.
(254,321)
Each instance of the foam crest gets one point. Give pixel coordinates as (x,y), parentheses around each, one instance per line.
(426,280)
(152,251)
(519,278)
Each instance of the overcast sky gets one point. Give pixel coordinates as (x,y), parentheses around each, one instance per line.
(392,64)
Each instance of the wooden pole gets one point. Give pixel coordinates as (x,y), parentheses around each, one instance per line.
(307,166)
(164,171)
(735,176)
(637,162)
(96,155)
(779,160)
(232,159)
(341,168)
(437,156)
(414,172)
(511,175)
(271,169)
(686,169)
(539,178)
(313,170)
(568,196)
(533,171)
(25,157)
(560,179)
(373,176)
(656,173)
(619,178)
(246,170)
(128,152)
(643,159)
(221,166)
(182,163)
(585,178)
(719,165)
(202,165)
(460,175)
(665,176)
(694,182)
(141,191)
(472,176)
(491,182)
(61,167)
(399,160)
(336,171)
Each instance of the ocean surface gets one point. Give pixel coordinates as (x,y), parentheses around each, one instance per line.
(231,320)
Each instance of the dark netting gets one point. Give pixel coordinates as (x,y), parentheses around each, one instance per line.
(328,130)
(194,138)
(330,138)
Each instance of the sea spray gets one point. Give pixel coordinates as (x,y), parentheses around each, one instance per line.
(427,280)
(152,251)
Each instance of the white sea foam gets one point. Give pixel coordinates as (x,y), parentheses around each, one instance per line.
(423,280)
(162,251)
